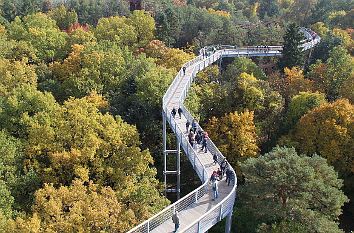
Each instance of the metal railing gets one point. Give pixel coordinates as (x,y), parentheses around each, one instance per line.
(224,207)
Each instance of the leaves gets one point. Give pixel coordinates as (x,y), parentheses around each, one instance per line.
(235,135)
(283,186)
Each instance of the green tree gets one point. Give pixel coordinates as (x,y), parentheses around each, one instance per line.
(42,33)
(144,25)
(17,183)
(292,54)
(116,29)
(23,101)
(282,186)
(300,104)
(243,65)
(330,76)
(63,17)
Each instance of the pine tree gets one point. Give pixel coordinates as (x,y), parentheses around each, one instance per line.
(292,55)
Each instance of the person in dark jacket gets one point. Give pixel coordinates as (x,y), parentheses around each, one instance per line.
(184,70)
(180,111)
(187,125)
(194,126)
(215,158)
(204,145)
(173,112)
(228,176)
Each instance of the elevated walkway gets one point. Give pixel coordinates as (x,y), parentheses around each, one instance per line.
(197,211)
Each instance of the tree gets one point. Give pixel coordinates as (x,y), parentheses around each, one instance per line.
(296,82)
(269,8)
(282,186)
(346,90)
(144,25)
(243,65)
(63,17)
(170,58)
(292,54)
(301,104)
(116,29)
(21,102)
(328,130)
(330,76)
(80,207)
(168,26)
(17,185)
(78,140)
(235,135)
(14,74)
(42,33)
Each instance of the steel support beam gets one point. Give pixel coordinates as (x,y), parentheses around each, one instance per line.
(178,168)
(228,222)
(164,139)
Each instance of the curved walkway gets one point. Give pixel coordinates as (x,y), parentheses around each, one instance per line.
(197,211)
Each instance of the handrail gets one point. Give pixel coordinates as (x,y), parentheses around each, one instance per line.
(223,208)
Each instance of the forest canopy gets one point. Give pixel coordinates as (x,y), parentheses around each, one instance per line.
(81,87)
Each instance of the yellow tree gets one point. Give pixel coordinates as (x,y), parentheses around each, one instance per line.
(167,57)
(328,130)
(78,140)
(235,135)
(81,208)
(116,29)
(14,74)
(296,82)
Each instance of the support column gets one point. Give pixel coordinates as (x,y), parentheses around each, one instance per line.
(178,168)
(164,139)
(228,222)
(220,63)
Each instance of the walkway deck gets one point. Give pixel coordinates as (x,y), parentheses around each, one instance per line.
(206,203)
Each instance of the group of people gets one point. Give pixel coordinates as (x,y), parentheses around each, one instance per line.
(174,112)
(197,137)
(218,176)
(261,48)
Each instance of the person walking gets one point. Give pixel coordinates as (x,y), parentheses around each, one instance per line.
(213,176)
(173,112)
(223,166)
(215,190)
(187,125)
(228,176)
(219,173)
(194,126)
(180,111)
(191,137)
(204,145)
(197,137)
(215,158)
(200,136)
(184,70)
(175,220)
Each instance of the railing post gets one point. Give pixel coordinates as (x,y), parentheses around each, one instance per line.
(196,197)
(198,227)
(220,212)
(148,227)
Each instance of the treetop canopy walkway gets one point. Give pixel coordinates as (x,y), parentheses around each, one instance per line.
(197,211)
